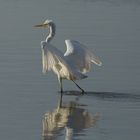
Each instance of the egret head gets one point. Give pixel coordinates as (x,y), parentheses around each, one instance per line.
(46,24)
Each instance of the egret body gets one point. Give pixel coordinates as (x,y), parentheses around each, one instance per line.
(73,64)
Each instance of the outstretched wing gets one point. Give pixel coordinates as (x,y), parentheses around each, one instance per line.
(80,56)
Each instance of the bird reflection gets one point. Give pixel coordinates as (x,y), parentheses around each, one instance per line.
(70,118)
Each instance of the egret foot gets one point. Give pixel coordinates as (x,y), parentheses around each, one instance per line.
(82,92)
(61,91)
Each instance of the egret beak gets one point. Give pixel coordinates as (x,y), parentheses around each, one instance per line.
(41,25)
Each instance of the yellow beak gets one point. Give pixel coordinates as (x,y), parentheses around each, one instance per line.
(41,25)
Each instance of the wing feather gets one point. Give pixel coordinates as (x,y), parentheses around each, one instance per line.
(80,56)
(49,56)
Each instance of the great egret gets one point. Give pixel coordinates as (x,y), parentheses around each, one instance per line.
(73,64)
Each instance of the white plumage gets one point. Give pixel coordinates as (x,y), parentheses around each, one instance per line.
(71,65)
(80,55)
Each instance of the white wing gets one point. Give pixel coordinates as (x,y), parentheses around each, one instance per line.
(80,56)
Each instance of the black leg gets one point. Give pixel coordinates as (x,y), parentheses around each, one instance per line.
(61,86)
(78,87)
(60,103)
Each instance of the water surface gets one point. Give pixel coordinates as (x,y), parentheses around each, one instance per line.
(111,28)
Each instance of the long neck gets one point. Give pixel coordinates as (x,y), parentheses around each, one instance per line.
(51,33)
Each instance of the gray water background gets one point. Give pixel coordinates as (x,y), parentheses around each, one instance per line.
(110,27)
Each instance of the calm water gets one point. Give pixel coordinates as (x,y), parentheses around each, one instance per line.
(30,101)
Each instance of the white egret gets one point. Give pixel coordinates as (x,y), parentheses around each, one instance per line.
(73,64)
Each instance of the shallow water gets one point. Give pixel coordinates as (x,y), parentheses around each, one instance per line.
(110,110)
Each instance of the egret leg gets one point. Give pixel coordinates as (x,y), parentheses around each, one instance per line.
(60,103)
(78,87)
(61,86)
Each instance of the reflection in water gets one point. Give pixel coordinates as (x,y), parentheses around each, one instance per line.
(69,117)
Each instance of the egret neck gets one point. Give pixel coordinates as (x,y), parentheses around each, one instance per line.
(51,32)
